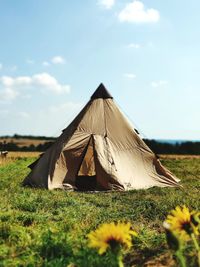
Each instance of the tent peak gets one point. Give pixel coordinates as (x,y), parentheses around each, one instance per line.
(101,92)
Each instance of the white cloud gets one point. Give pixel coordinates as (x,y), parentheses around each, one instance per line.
(11,87)
(58,60)
(46,81)
(107,4)
(6,81)
(134,45)
(8,94)
(130,75)
(22,81)
(54,60)
(136,12)
(46,64)
(160,83)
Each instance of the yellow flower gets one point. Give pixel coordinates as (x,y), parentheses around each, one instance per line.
(181,222)
(173,240)
(110,235)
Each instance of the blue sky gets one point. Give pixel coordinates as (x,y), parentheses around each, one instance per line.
(54,54)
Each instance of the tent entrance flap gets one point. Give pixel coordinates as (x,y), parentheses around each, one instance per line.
(86,177)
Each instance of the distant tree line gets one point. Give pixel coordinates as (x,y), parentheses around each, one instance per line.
(188,148)
(184,148)
(31,137)
(11,146)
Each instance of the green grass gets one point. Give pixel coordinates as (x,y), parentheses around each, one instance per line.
(49,228)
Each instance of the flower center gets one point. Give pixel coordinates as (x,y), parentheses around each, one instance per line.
(113,243)
(186,226)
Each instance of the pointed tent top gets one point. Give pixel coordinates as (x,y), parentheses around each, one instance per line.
(101,92)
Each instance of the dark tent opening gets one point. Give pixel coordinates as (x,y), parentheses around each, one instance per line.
(86,177)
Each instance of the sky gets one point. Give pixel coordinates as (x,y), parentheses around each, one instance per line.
(54,54)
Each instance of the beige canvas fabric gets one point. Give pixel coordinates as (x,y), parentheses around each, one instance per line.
(100,147)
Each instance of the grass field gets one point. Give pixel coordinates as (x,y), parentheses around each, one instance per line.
(49,228)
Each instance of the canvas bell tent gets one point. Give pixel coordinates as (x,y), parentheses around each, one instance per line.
(99,150)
